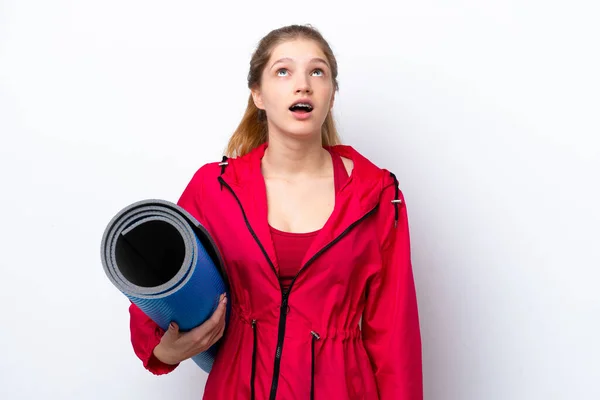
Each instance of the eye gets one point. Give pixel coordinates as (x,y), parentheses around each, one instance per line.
(320,71)
(281,70)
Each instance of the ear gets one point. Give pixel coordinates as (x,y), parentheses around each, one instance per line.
(257,98)
(332,101)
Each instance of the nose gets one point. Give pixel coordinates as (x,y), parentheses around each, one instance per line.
(303,89)
(303,85)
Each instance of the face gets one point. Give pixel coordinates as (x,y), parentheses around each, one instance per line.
(297,71)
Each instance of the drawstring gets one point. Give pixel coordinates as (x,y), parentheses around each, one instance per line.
(253,373)
(315,337)
(396,200)
(223,164)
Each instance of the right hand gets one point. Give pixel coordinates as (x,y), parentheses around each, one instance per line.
(175,347)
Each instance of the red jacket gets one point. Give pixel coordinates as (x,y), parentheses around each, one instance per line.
(307,343)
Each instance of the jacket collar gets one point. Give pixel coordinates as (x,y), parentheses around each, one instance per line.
(356,198)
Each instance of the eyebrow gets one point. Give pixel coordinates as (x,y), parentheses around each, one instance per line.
(316,59)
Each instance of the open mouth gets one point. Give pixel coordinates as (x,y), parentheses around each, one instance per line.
(302,108)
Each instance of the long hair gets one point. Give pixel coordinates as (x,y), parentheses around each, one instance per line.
(252,129)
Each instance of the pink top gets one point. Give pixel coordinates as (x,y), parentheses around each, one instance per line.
(290,248)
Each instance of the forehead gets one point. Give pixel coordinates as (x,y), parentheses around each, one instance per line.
(299,51)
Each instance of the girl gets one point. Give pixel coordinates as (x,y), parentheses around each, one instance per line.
(315,244)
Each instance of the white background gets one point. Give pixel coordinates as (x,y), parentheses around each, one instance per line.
(487,111)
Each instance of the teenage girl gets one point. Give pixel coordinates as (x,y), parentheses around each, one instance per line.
(316,247)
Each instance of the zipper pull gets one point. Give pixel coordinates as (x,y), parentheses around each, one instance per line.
(315,335)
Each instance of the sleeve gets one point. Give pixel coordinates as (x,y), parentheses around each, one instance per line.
(390,326)
(191,197)
(145,336)
(145,333)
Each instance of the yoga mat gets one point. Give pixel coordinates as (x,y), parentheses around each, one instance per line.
(165,262)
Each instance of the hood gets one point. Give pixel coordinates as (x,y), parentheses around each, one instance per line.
(360,194)
(366,180)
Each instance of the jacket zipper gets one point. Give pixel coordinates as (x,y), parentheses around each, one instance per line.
(284,305)
(285,294)
(250,227)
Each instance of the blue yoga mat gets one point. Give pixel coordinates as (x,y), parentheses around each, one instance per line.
(165,262)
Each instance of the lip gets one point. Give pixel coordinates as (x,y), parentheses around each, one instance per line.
(303,100)
(301,116)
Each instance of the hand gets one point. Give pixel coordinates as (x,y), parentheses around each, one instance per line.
(175,347)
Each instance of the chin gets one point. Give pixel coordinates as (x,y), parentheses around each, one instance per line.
(305,128)
(301,130)
(304,133)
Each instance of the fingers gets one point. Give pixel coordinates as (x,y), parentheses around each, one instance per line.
(173,327)
(204,336)
(221,331)
(218,332)
(219,313)
(212,323)
(171,334)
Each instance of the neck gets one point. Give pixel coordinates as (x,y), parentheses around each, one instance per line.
(291,157)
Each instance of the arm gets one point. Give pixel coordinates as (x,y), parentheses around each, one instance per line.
(391,332)
(145,336)
(145,333)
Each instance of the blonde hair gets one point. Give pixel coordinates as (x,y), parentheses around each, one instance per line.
(252,129)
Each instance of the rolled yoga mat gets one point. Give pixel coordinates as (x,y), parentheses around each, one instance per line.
(165,262)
